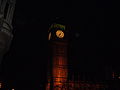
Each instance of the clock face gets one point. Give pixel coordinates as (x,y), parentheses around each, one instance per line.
(59,33)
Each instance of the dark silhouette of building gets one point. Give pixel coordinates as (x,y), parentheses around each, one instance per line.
(6,16)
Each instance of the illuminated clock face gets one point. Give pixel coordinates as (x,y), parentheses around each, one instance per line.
(59,34)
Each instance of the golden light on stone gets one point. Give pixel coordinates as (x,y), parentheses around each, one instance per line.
(49,36)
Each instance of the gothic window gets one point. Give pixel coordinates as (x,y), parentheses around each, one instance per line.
(6,10)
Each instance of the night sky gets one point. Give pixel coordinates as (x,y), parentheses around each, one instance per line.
(94,41)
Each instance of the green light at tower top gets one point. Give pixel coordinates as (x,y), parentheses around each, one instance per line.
(57,26)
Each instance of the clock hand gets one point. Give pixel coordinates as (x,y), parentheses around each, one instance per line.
(59,34)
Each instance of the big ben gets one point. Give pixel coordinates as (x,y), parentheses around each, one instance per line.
(58,44)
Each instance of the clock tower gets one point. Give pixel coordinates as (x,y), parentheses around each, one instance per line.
(58,44)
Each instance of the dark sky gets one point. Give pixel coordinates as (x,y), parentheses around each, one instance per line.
(93,45)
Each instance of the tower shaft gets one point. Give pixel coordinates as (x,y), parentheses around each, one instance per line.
(59,71)
(59,68)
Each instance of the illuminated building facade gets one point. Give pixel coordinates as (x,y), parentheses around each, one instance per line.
(57,78)
(58,72)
